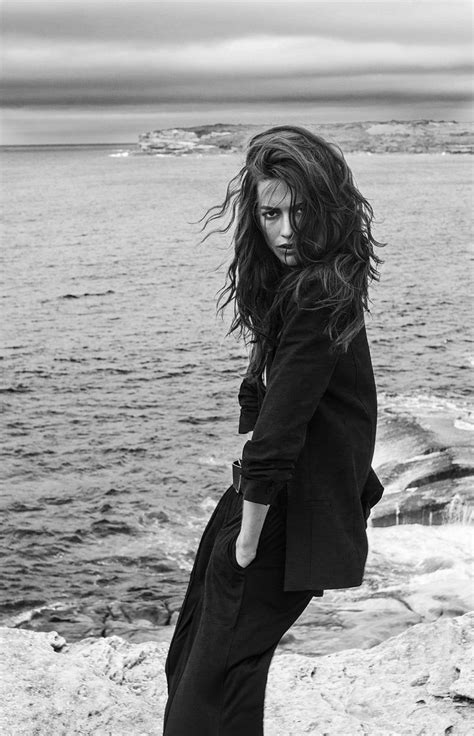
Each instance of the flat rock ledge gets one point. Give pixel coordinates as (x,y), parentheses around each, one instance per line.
(419,682)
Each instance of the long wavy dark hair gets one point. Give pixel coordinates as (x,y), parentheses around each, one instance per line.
(332,238)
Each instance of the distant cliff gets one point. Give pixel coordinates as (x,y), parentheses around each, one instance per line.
(416,136)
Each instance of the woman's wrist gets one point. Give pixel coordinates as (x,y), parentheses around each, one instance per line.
(253,518)
(247,544)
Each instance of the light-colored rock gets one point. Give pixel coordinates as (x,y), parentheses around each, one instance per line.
(105,687)
(405,686)
(419,682)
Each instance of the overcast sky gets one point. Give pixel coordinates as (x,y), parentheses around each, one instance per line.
(106,70)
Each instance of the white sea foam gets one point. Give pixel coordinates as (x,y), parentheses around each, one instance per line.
(464,425)
(426,404)
(218,462)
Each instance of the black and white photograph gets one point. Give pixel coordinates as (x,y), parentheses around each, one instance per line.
(237,354)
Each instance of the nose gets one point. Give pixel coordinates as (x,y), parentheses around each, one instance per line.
(286,229)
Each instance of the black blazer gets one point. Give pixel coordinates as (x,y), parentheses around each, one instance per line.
(313,437)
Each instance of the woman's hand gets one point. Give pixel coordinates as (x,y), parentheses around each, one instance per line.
(253,517)
(244,553)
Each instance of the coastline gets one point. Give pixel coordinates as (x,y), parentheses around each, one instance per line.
(419,544)
(394,136)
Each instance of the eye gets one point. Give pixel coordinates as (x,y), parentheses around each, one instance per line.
(299,209)
(270,214)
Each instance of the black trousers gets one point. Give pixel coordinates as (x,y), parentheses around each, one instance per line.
(230,623)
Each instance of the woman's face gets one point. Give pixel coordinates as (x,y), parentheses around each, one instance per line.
(274,206)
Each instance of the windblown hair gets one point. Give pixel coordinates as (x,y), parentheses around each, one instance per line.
(332,238)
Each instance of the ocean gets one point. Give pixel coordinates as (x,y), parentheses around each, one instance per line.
(119,385)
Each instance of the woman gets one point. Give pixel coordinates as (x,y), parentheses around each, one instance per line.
(294,522)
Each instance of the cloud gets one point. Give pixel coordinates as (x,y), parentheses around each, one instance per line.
(250,56)
(139,52)
(286,65)
(141,21)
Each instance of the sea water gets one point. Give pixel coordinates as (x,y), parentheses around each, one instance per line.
(119,386)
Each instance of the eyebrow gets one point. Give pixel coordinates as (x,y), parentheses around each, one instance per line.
(276,207)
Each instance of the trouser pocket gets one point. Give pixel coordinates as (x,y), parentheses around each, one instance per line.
(231,550)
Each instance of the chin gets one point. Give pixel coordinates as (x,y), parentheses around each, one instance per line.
(287,260)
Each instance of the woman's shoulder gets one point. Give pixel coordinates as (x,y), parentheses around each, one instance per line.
(306,292)
(309,305)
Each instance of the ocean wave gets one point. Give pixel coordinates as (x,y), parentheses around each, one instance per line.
(426,402)
(203,420)
(19,388)
(106,527)
(86,294)
(113,369)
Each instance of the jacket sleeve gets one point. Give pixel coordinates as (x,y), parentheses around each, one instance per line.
(248,400)
(372,493)
(299,375)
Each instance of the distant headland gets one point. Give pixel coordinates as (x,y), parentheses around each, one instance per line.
(394,136)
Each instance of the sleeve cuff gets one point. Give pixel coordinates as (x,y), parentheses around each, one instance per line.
(260,491)
(248,400)
(247,422)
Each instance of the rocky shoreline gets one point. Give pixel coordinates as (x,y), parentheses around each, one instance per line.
(415,574)
(420,681)
(394,136)
(418,569)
